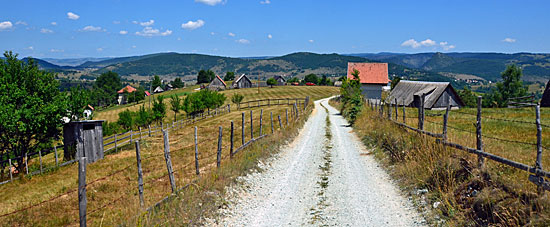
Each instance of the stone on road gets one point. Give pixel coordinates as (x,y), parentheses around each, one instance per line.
(319,180)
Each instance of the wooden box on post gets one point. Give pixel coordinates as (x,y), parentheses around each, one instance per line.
(83,139)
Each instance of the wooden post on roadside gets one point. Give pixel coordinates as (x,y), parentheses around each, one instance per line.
(242,128)
(251,126)
(56,159)
(280,124)
(149,126)
(231,143)
(140,175)
(479,143)
(404,116)
(421,112)
(272,129)
(168,160)
(261,123)
(286,114)
(196,153)
(219,155)
(396,117)
(446,119)
(11,176)
(40,158)
(538,162)
(82,200)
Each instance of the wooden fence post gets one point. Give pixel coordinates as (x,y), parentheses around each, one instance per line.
(251,126)
(168,160)
(9,169)
(421,112)
(56,159)
(538,162)
(446,119)
(40,158)
(286,114)
(261,123)
(219,155)
(82,201)
(479,143)
(396,117)
(242,128)
(229,108)
(381,109)
(404,117)
(280,124)
(272,129)
(196,153)
(140,175)
(149,126)
(389,110)
(231,139)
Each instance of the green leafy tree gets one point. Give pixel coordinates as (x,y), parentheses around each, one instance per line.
(351,96)
(159,109)
(237,99)
(510,87)
(125,119)
(106,87)
(136,96)
(156,82)
(293,80)
(31,108)
(143,117)
(175,105)
(311,78)
(205,76)
(177,83)
(468,97)
(271,82)
(77,99)
(229,76)
(198,102)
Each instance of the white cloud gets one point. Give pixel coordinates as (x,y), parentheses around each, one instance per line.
(411,43)
(21,23)
(46,31)
(147,23)
(72,16)
(5,25)
(134,22)
(91,28)
(212,33)
(116,22)
(311,40)
(99,49)
(179,38)
(123,32)
(509,40)
(242,41)
(134,46)
(149,32)
(231,34)
(30,48)
(269,36)
(191,25)
(445,46)
(54,23)
(428,42)
(210,2)
(56,50)
(265,2)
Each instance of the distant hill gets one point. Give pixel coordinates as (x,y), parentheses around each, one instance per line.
(72,61)
(44,64)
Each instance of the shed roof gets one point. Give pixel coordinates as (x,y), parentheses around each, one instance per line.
(219,78)
(128,89)
(405,90)
(279,77)
(243,76)
(370,73)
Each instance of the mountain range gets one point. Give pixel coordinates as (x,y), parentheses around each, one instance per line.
(421,66)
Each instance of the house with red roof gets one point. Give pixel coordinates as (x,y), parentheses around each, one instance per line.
(372,76)
(124,92)
(217,84)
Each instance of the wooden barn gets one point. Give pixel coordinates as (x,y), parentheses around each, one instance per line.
(372,76)
(436,94)
(280,80)
(242,82)
(217,84)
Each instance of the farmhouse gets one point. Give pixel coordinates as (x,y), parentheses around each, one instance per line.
(280,80)
(372,76)
(158,90)
(242,82)
(217,84)
(122,97)
(436,94)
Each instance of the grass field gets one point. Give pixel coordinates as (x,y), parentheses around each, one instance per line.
(112,182)
(315,92)
(468,196)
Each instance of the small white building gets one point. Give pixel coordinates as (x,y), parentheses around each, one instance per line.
(372,76)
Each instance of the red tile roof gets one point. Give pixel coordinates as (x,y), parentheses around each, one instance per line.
(147,93)
(128,89)
(370,73)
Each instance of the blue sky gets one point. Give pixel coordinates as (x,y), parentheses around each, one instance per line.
(72,29)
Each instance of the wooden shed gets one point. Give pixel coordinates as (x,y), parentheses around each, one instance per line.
(83,139)
(280,80)
(436,94)
(242,82)
(545,101)
(217,84)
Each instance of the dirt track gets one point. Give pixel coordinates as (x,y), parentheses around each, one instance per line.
(319,179)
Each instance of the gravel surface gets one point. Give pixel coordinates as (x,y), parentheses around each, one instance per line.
(319,179)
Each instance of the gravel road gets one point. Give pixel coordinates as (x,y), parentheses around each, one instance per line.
(322,178)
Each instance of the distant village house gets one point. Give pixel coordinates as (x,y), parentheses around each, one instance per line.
(122,94)
(217,84)
(372,76)
(280,80)
(158,90)
(242,82)
(436,94)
